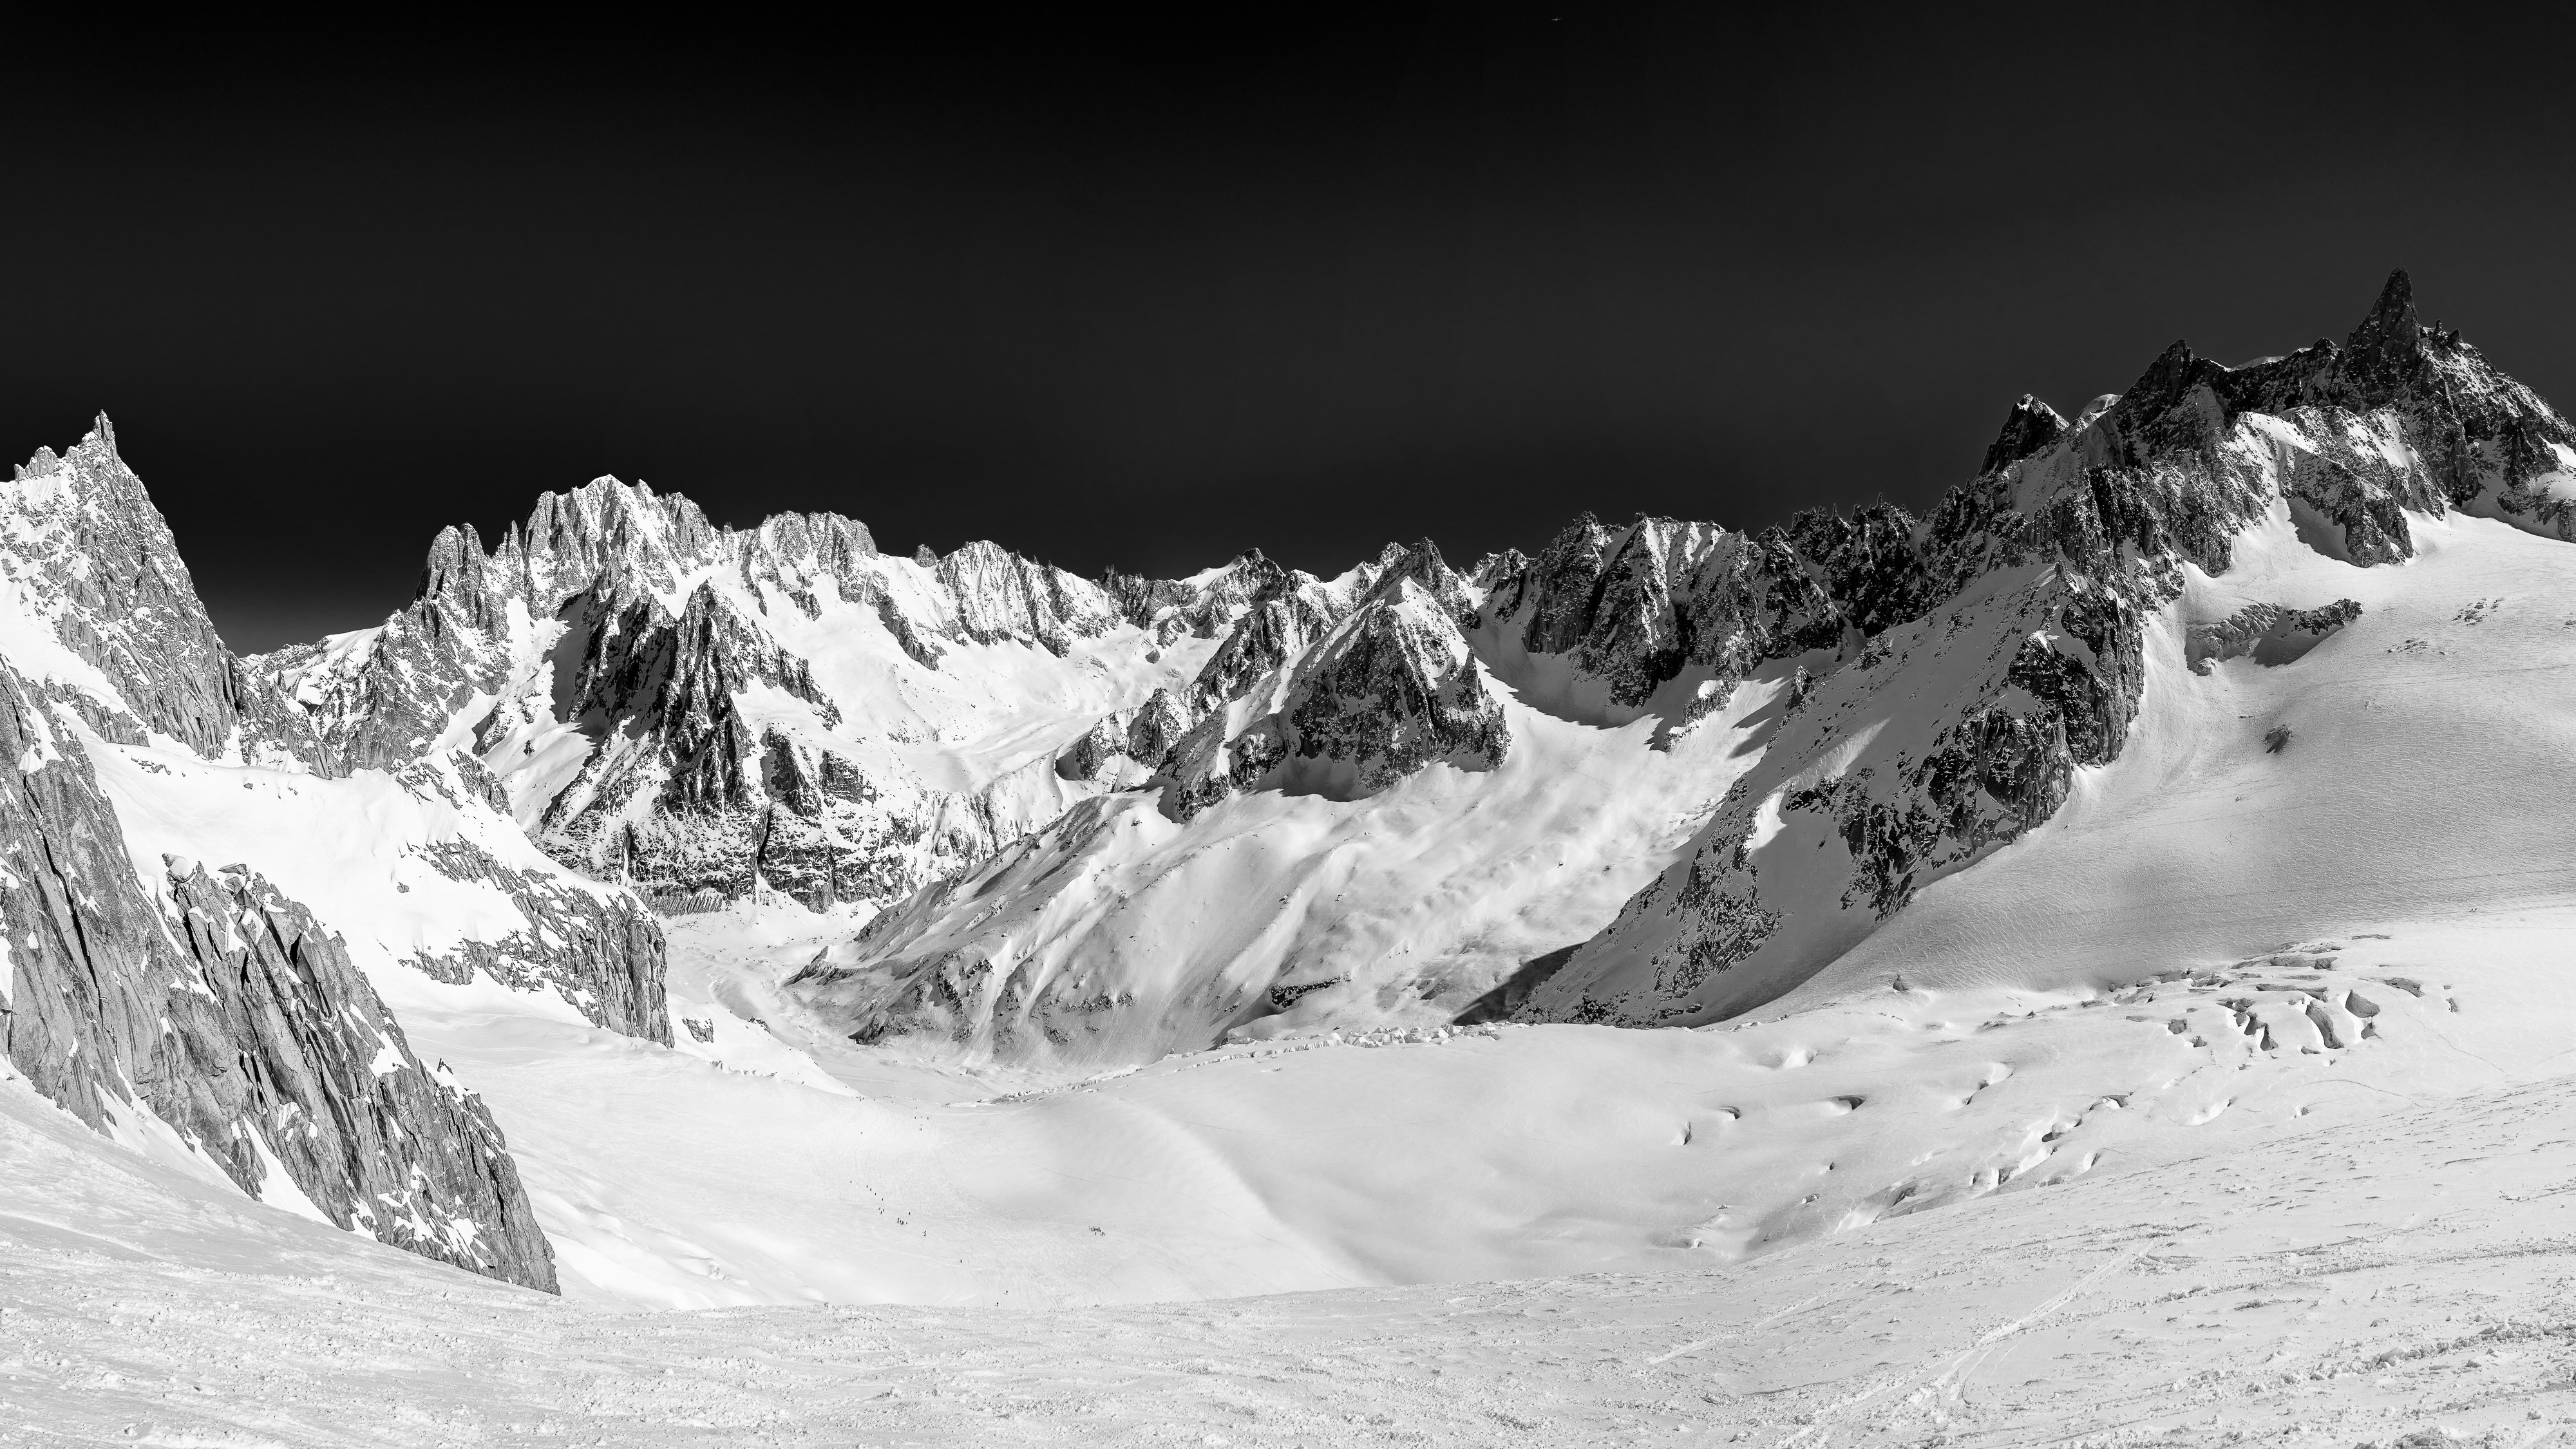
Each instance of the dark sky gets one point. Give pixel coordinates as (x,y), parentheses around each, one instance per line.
(1112,289)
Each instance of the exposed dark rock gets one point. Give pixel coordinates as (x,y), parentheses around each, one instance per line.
(2029,427)
(232,1017)
(209,999)
(1158,725)
(601,948)
(97,553)
(1635,608)
(314,1063)
(1380,693)
(1947,677)
(1563,587)
(1395,690)
(1085,757)
(1288,613)
(2272,634)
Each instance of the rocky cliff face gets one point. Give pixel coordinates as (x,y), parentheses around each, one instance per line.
(690,707)
(2012,621)
(111,617)
(142,992)
(1356,699)
(301,1050)
(601,950)
(1634,608)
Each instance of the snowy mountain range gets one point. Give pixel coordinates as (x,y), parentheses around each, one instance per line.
(2177,704)
(1816,723)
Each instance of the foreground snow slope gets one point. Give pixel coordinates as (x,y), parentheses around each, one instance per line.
(2355,1283)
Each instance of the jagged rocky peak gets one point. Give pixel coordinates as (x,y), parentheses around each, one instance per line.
(1494,570)
(2041,573)
(91,562)
(1913,692)
(1002,596)
(1396,686)
(1633,608)
(624,542)
(2029,427)
(780,705)
(2400,417)
(1558,589)
(206,998)
(608,546)
(1338,699)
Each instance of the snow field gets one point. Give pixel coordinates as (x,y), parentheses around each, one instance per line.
(743,1170)
(2322,1287)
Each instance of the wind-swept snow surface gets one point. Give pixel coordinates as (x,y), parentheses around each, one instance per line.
(2404,1273)
(775,1164)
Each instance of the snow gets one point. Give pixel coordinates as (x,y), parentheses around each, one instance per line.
(277,1187)
(348,848)
(2218,1106)
(2329,1285)
(2428,737)
(29,643)
(1437,887)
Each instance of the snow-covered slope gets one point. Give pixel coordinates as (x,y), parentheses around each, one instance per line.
(1374,795)
(2310,1288)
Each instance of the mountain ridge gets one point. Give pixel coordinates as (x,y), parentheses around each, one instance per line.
(695,708)
(2051,569)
